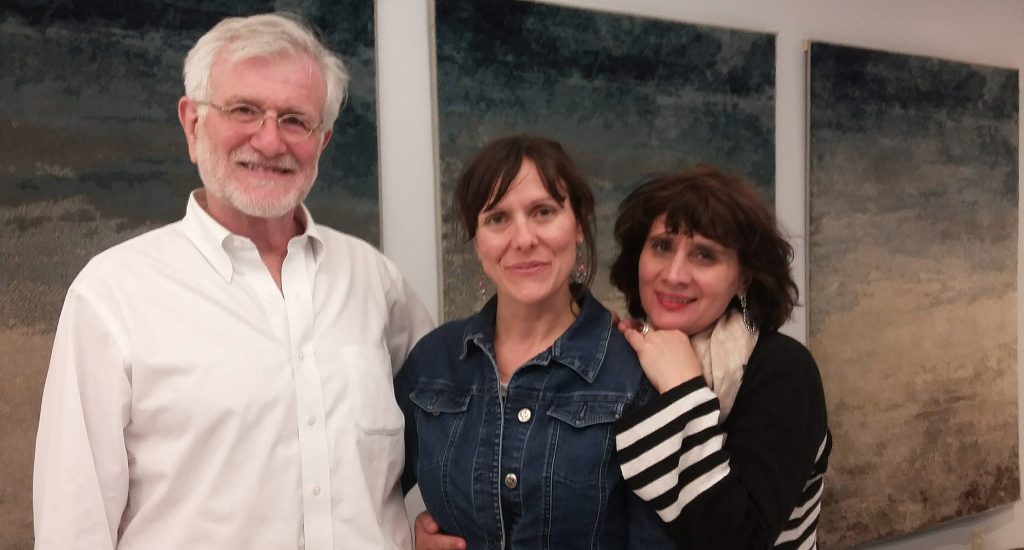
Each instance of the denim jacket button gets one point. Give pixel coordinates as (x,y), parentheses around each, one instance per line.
(524,415)
(511,481)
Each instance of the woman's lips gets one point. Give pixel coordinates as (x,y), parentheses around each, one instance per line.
(526,268)
(674,302)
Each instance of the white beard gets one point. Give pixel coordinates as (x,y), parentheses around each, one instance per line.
(213,170)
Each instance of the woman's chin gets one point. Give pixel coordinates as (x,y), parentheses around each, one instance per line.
(667,322)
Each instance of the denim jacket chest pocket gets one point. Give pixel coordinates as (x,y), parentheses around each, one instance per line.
(440,413)
(582,437)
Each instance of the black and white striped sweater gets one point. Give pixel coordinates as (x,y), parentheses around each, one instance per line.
(753,482)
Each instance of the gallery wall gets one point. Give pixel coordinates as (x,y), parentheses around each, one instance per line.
(986,33)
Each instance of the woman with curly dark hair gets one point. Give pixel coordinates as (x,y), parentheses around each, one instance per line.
(732,451)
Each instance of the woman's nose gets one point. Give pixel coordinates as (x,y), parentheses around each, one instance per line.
(679,269)
(524,235)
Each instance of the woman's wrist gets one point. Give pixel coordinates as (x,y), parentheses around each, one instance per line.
(674,380)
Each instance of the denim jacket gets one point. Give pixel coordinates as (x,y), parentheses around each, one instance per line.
(534,469)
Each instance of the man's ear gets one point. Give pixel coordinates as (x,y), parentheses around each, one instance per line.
(188,115)
(327,137)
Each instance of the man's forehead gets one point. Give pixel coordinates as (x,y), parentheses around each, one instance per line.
(291,73)
(231,57)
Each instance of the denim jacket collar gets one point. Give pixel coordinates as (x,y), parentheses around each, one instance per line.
(581,347)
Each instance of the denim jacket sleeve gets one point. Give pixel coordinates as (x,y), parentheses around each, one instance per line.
(403,387)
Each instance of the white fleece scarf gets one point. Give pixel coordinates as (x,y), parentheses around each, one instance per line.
(723,351)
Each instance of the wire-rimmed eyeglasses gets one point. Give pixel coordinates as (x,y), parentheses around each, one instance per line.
(293,127)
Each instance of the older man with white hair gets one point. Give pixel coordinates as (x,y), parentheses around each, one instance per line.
(225,381)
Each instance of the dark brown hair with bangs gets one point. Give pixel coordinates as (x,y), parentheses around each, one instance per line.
(496,166)
(722,207)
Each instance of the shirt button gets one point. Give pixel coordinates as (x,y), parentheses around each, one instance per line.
(311,421)
(524,415)
(511,481)
(316,490)
(301,355)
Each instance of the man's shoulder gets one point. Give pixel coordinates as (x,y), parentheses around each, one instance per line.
(335,237)
(155,244)
(348,247)
(346,254)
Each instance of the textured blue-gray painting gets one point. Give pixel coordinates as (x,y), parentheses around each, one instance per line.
(627,97)
(912,299)
(91,153)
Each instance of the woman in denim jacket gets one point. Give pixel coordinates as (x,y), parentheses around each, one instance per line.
(509,412)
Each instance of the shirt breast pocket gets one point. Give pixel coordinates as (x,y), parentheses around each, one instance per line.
(440,413)
(582,438)
(376,412)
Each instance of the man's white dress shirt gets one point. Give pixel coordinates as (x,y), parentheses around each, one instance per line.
(191,404)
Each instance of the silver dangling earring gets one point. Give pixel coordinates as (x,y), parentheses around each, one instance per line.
(580,274)
(747,321)
(482,286)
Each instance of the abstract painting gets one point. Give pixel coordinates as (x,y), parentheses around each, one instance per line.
(912,299)
(627,97)
(91,153)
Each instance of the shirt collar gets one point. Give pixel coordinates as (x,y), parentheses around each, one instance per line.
(581,347)
(315,235)
(212,238)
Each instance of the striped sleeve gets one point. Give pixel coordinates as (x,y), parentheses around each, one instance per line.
(671,450)
(801,529)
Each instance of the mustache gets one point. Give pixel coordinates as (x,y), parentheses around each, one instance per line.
(283,163)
